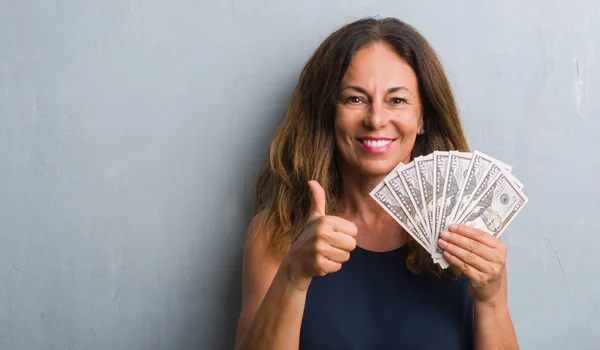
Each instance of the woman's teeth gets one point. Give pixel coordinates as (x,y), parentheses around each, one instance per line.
(376,143)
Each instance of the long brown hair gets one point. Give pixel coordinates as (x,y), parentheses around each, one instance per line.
(303,145)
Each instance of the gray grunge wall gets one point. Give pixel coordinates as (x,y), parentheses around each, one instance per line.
(131,132)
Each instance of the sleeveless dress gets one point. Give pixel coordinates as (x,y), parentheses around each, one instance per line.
(375,302)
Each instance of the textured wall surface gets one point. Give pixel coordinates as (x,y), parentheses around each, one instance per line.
(131,132)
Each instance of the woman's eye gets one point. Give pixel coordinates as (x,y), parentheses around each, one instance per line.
(397,100)
(354,99)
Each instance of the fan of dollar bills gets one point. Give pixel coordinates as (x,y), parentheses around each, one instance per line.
(442,188)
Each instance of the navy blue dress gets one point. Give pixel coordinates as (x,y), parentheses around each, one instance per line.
(375,302)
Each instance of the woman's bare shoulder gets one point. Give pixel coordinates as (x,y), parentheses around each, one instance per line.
(259,268)
(257,240)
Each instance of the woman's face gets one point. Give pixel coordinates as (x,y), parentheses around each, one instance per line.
(378,113)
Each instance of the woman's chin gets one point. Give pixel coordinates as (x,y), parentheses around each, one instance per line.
(370,169)
(379,169)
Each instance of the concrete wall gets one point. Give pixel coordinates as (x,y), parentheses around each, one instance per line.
(131,132)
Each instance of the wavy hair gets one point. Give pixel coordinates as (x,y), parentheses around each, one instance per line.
(303,145)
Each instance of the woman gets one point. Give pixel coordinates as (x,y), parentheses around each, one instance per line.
(324,266)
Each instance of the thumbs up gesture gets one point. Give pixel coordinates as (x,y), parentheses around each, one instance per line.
(323,246)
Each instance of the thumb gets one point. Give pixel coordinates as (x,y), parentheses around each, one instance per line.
(318,199)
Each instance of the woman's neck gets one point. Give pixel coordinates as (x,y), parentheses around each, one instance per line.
(378,231)
(355,199)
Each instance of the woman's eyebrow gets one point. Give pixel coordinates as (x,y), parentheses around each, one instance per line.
(389,91)
(398,88)
(356,88)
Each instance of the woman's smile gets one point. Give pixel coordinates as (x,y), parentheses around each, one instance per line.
(375,144)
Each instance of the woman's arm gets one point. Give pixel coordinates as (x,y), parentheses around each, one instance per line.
(482,258)
(272,306)
(493,327)
(274,292)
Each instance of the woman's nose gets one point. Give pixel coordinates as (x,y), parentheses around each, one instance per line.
(376,116)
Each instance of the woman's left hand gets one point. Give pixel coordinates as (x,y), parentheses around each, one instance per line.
(479,255)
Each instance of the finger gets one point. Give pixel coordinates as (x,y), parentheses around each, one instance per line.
(474,234)
(342,225)
(342,241)
(325,266)
(468,270)
(337,255)
(467,257)
(468,244)
(318,198)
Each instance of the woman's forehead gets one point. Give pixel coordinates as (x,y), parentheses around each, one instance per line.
(379,66)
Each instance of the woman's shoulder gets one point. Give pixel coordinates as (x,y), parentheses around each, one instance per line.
(258,270)
(260,264)
(257,244)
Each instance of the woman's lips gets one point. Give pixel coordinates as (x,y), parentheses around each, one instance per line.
(376,145)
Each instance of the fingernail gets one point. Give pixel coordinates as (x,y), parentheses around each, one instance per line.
(453,227)
(442,243)
(445,234)
(447,255)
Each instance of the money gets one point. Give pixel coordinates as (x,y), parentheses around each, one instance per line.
(480,164)
(497,206)
(404,198)
(440,161)
(424,170)
(445,187)
(408,175)
(458,164)
(493,171)
(384,196)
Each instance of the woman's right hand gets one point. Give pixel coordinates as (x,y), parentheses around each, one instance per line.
(323,246)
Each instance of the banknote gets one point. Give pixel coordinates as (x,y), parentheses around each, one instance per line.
(384,196)
(508,168)
(408,175)
(495,209)
(403,196)
(458,164)
(493,171)
(424,167)
(480,164)
(440,169)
